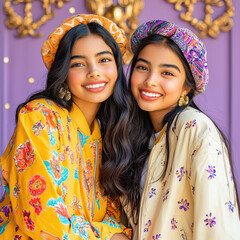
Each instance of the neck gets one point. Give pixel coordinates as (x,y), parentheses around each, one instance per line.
(157,120)
(89,111)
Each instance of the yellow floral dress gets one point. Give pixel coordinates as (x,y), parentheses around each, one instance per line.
(50,171)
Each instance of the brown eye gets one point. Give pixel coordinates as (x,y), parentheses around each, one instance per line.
(143,68)
(168,73)
(76,65)
(105,60)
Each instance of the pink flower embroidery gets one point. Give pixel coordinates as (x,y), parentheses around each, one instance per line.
(210,220)
(28,221)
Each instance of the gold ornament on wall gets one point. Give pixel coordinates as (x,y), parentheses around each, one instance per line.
(209,25)
(124,14)
(26,25)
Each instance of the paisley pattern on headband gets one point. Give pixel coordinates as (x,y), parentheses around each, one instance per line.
(191,46)
(50,46)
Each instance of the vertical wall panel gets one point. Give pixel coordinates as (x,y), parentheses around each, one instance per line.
(235,91)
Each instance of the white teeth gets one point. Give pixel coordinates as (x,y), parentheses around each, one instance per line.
(148,94)
(95,85)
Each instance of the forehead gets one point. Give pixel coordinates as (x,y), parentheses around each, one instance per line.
(90,44)
(160,53)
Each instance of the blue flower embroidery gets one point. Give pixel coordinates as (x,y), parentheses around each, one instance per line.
(82,138)
(158,236)
(60,209)
(152,192)
(230,206)
(112,223)
(80,227)
(148,224)
(212,172)
(59,173)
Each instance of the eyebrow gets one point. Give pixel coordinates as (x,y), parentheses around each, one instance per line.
(98,54)
(160,65)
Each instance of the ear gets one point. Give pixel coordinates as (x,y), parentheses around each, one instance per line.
(186,90)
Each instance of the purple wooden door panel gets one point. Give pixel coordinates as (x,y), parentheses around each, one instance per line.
(220,101)
(234,94)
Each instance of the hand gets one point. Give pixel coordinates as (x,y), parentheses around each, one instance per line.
(119,236)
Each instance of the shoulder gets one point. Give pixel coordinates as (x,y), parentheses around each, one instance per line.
(195,124)
(41,106)
(191,117)
(42,110)
(191,114)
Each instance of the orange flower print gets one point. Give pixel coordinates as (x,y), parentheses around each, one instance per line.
(48,114)
(25,156)
(62,156)
(70,153)
(36,204)
(54,163)
(37,127)
(37,185)
(64,191)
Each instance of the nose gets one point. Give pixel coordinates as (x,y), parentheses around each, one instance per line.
(151,79)
(93,72)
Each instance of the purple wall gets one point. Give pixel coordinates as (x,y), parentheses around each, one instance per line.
(221,99)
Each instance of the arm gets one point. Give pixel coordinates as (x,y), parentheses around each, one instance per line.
(35,196)
(112,222)
(214,193)
(29,159)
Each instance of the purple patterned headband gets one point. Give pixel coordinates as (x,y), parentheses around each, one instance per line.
(191,46)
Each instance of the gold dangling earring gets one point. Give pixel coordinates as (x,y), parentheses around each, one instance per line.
(65,92)
(68,94)
(62,92)
(183,100)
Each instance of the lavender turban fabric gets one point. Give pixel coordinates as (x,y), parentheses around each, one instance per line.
(191,46)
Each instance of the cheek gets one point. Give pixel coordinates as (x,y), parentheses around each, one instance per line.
(111,72)
(135,79)
(74,77)
(172,87)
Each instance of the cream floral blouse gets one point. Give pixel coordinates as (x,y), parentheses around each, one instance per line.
(196,200)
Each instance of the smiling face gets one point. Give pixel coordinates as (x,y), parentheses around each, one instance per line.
(158,80)
(92,72)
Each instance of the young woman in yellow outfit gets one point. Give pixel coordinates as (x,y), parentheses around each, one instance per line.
(50,168)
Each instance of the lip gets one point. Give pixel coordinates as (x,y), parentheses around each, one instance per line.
(155,95)
(95,86)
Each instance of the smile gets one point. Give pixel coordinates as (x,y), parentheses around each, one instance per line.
(149,94)
(95,85)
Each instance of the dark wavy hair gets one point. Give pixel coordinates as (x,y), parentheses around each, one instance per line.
(126,174)
(113,112)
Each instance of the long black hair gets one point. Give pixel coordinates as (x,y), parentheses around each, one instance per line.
(58,72)
(113,112)
(129,171)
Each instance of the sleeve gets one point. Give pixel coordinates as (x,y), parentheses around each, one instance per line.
(113,217)
(111,223)
(33,195)
(215,204)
